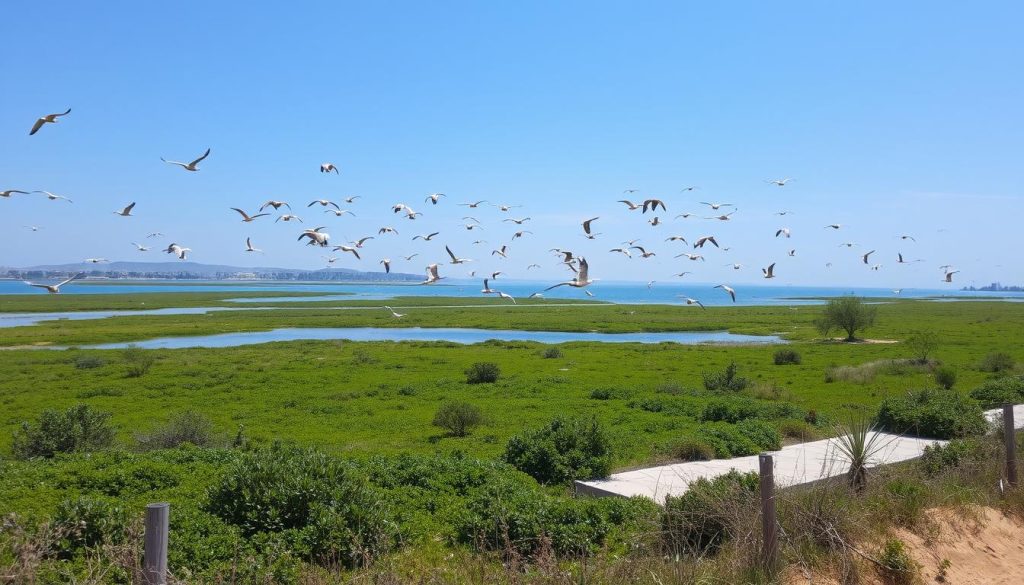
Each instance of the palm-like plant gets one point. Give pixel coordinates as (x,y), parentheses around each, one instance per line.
(859,442)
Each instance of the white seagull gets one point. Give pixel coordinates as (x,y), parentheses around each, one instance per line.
(393,313)
(275,204)
(189,166)
(582,277)
(456,259)
(54,289)
(329,167)
(178,251)
(246,218)
(127,211)
(47,119)
(730,290)
(249,247)
(432,275)
(53,197)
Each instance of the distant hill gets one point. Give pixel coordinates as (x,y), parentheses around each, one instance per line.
(197,271)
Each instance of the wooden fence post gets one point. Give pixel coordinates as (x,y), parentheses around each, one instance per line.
(154,560)
(769,521)
(1010,435)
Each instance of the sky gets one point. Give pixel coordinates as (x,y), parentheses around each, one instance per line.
(892,119)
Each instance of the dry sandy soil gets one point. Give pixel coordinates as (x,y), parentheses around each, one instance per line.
(983,547)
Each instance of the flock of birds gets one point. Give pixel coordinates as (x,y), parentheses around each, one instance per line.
(577,267)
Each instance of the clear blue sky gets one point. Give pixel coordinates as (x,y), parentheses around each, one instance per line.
(893,118)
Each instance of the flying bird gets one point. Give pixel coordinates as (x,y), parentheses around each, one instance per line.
(189,166)
(723,217)
(275,204)
(685,189)
(324,203)
(409,258)
(348,249)
(622,251)
(949,275)
(769,272)
(54,289)
(586,225)
(473,205)
(865,256)
(684,215)
(154,235)
(582,277)
(505,295)
(632,206)
(288,217)
(654,221)
(782,232)
(47,119)
(177,250)
(387,230)
(246,218)
(653,204)
(730,290)
(519,234)
(352,199)
(339,212)
(425,238)
(703,240)
(778,182)
(517,221)
(127,211)
(676,239)
(387,265)
(690,301)
(432,275)
(393,313)
(487,290)
(433,197)
(140,247)
(9,192)
(95,260)
(329,167)
(906,237)
(643,253)
(249,247)
(53,197)
(502,251)
(359,243)
(716,206)
(834,226)
(456,259)
(316,237)
(693,257)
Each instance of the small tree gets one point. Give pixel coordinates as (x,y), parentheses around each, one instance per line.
(482,373)
(922,344)
(458,418)
(847,313)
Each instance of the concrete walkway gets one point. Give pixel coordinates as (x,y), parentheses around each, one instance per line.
(794,465)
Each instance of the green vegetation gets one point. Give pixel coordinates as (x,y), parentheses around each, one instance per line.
(1000,391)
(945,376)
(937,413)
(849,314)
(562,451)
(79,428)
(483,373)
(458,418)
(787,356)
(997,362)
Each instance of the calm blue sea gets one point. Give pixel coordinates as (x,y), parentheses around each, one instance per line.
(614,292)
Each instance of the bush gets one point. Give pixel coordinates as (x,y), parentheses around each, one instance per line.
(724,381)
(945,376)
(458,418)
(551,353)
(896,563)
(79,428)
(736,408)
(996,362)
(322,503)
(87,522)
(938,458)
(995,393)
(602,393)
(922,344)
(407,391)
(689,449)
(704,518)
(482,373)
(749,437)
(938,413)
(787,356)
(562,451)
(849,314)
(184,427)
(797,429)
(137,361)
(88,362)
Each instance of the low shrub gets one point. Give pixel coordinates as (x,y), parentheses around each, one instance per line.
(996,362)
(137,361)
(88,362)
(690,449)
(896,563)
(938,458)
(792,428)
(787,356)
(321,503)
(79,428)
(737,408)
(407,391)
(945,376)
(935,413)
(185,427)
(904,501)
(551,353)
(87,522)
(562,451)
(709,513)
(725,381)
(458,418)
(482,373)
(749,437)
(602,393)
(995,393)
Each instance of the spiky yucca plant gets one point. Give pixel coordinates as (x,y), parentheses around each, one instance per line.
(859,442)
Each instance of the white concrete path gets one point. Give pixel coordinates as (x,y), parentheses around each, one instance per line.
(796,464)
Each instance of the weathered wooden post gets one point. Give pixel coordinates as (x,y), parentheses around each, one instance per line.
(1010,435)
(154,560)
(769,522)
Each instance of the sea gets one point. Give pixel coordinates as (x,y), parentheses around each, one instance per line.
(610,291)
